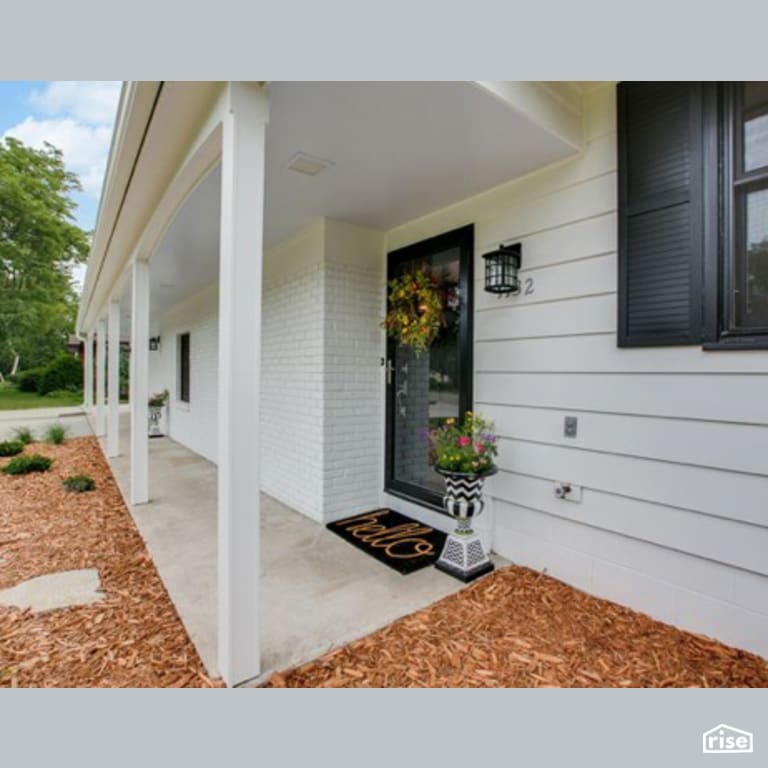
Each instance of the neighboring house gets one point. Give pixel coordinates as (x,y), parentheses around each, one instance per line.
(252,227)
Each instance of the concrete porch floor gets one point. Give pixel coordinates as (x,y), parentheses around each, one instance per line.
(317,591)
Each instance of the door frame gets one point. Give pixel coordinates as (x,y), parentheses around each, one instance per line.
(464,239)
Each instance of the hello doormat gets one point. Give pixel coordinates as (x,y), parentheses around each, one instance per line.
(394,539)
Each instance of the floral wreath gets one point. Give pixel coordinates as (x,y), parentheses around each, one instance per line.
(415,309)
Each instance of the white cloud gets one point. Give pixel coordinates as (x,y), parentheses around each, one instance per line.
(77,117)
(87,101)
(85,147)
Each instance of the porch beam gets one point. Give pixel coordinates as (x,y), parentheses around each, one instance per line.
(139,373)
(541,104)
(240,268)
(88,371)
(113,376)
(101,365)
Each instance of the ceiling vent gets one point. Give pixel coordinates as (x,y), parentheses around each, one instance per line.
(308,165)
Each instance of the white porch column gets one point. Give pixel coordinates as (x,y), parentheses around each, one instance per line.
(113,376)
(88,371)
(240,265)
(140,383)
(101,364)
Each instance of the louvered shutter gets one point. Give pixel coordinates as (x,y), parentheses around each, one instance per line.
(661,199)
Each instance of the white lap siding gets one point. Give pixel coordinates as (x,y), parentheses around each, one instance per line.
(671,442)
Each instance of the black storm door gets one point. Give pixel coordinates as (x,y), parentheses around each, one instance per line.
(425,388)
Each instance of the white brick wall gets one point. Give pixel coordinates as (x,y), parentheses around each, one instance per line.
(291,380)
(321,400)
(321,344)
(354,343)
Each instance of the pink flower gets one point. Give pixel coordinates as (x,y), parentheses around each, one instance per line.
(464,441)
(480,447)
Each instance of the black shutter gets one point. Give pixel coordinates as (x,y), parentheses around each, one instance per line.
(661,199)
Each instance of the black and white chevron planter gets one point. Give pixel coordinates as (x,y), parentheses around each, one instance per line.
(463,555)
(463,498)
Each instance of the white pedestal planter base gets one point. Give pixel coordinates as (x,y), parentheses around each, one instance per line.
(156,421)
(463,556)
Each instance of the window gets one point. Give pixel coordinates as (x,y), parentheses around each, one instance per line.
(746,208)
(693,214)
(183,378)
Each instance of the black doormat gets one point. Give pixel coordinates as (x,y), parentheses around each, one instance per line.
(394,539)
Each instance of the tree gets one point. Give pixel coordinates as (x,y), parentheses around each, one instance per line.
(39,245)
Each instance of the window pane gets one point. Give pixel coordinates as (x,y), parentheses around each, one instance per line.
(755,119)
(752,278)
(184,367)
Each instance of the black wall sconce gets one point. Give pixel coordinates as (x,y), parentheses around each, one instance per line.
(501,268)
(154,343)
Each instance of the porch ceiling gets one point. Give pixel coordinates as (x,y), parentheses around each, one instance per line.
(398,150)
(187,259)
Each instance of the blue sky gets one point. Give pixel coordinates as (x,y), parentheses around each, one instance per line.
(75,116)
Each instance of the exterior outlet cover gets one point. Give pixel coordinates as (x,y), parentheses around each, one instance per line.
(571,426)
(567,491)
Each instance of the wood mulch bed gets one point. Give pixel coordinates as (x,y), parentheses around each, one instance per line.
(133,637)
(520,628)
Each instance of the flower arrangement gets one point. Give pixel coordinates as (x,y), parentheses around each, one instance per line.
(469,447)
(159,399)
(415,309)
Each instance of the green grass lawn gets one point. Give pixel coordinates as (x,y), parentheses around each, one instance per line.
(12,399)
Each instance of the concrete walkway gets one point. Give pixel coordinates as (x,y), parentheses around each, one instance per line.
(318,592)
(39,419)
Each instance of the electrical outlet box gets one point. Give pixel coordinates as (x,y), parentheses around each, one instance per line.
(567,491)
(571,426)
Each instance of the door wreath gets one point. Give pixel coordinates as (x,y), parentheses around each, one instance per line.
(414,309)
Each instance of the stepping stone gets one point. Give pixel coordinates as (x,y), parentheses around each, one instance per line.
(55,590)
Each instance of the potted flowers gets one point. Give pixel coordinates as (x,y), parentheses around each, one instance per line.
(156,405)
(463,453)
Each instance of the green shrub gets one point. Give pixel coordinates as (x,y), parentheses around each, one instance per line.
(24,435)
(29,380)
(79,483)
(56,434)
(63,396)
(63,372)
(24,464)
(11,448)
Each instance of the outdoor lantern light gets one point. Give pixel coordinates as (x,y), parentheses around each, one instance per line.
(154,343)
(501,268)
